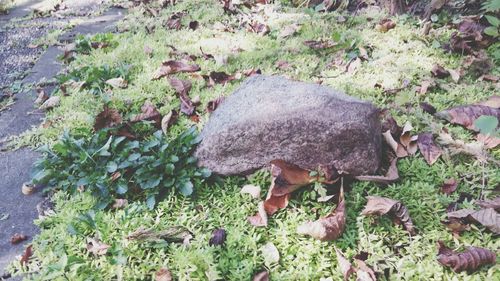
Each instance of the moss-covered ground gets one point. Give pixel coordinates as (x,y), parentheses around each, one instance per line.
(401,55)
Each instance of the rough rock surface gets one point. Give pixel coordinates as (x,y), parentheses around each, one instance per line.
(271,117)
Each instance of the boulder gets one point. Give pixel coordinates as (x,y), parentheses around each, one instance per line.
(271,117)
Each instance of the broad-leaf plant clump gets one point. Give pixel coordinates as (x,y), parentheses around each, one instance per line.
(114,167)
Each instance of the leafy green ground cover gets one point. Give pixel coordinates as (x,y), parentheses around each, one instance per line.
(401,55)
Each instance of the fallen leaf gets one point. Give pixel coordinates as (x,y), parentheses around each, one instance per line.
(380,206)
(107,118)
(456,226)
(469,260)
(120,203)
(490,203)
(449,186)
(353,66)
(428,108)
(289,30)
(455,75)
(182,88)
(259,219)
(172,67)
(149,113)
(193,25)
(345,266)
(174,22)
(41,96)
(163,274)
(28,252)
(259,28)
(490,78)
(385,25)
(364,272)
(218,78)
(218,237)
(270,254)
(117,83)
(251,189)
(320,44)
(148,50)
(489,218)
(174,234)
(439,72)
(288,177)
(425,86)
(428,148)
(408,141)
(96,247)
(213,104)
(467,114)
(261,276)
(328,228)
(493,101)
(168,120)
(283,65)
(18,238)
(51,103)
(391,176)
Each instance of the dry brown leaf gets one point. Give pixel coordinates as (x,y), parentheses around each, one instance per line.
(344,265)
(117,83)
(428,148)
(41,96)
(218,237)
(149,113)
(391,176)
(364,272)
(251,189)
(163,274)
(218,78)
(28,252)
(213,104)
(449,186)
(427,107)
(490,203)
(51,103)
(259,28)
(467,114)
(490,78)
(475,149)
(96,247)
(455,74)
(328,228)
(259,219)
(456,226)
(489,218)
(469,260)
(107,118)
(173,66)
(283,65)
(385,25)
(167,120)
(425,86)
(488,141)
(408,141)
(493,101)
(353,66)
(18,238)
(182,88)
(320,44)
(120,203)
(439,72)
(261,276)
(174,22)
(380,206)
(193,25)
(288,177)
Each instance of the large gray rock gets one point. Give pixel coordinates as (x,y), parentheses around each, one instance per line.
(271,117)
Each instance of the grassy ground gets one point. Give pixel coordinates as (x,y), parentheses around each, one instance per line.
(400,54)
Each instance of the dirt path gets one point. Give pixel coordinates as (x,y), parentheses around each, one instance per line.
(22,67)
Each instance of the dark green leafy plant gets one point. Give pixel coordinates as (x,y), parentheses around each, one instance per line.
(85,44)
(113,167)
(94,77)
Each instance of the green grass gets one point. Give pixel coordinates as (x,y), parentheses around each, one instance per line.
(399,54)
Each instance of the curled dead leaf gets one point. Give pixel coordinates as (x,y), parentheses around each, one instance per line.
(385,25)
(320,44)
(469,260)
(251,189)
(213,104)
(96,247)
(182,88)
(439,72)
(107,118)
(261,276)
(50,103)
(28,252)
(173,66)
(449,186)
(344,265)
(259,219)
(391,176)
(148,113)
(328,228)
(364,272)
(488,141)
(380,206)
(467,114)
(218,237)
(490,203)
(428,148)
(288,177)
(18,238)
(168,120)
(163,274)
(489,218)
